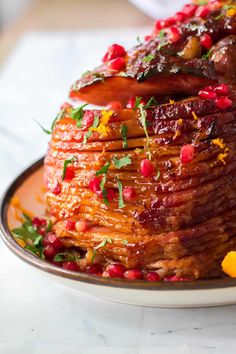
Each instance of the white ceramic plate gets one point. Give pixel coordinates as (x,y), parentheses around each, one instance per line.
(158,9)
(29,188)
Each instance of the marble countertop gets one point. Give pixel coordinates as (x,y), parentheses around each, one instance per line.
(36,315)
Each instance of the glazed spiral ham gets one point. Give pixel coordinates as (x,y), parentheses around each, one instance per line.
(152,186)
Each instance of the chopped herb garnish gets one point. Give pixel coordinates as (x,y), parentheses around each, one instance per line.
(143,121)
(103,243)
(139,40)
(49,226)
(151,102)
(137,102)
(46,131)
(77,114)
(104,169)
(148,58)
(120,198)
(104,191)
(161,34)
(86,73)
(65,256)
(158,174)
(206,56)
(125,242)
(66,163)
(162,44)
(219,16)
(122,162)
(124,131)
(89,133)
(32,239)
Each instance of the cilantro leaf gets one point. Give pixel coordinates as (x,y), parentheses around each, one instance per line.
(104,169)
(120,198)
(137,102)
(103,243)
(104,191)
(151,102)
(148,58)
(46,131)
(122,162)
(161,33)
(206,56)
(138,40)
(77,114)
(124,131)
(89,133)
(143,121)
(65,256)
(66,163)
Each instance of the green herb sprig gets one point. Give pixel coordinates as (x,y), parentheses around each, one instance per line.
(124,131)
(66,163)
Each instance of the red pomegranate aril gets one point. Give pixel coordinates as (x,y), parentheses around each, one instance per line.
(129,193)
(187,153)
(95,269)
(82,226)
(206,41)
(37,222)
(174,34)
(180,16)
(223,103)
(152,276)
(221,90)
(160,24)
(52,240)
(113,52)
(202,11)
(65,106)
(70,265)
(49,252)
(88,119)
(94,184)
(114,106)
(69,174)
(70,225)
(116,64)
(116,270)
(133,274)
(146,168)
(189,9)
(207,94)
(56,188)
(147,38)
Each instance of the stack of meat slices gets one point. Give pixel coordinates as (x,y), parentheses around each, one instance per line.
(150,181)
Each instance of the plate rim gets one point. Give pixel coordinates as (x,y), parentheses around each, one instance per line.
(47,267)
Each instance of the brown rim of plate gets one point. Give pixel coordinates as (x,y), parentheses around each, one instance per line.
(84,277)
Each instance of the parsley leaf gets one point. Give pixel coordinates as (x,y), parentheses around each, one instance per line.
(151,102)
(206,56)
(77,114)
(120,198)
(65,256)
(138,40)
(122,162)
(161,34)
(104,169)
(104,191)
(46,131)
(66,163)
(143,121)
(103,243)
(148,58)
(137,102)
(124,131)
(89,133)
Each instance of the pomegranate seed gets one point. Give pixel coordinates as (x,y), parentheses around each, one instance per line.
(160,24)
(222,90)
(70,225)
(180,16)
(41,232)
(88,119)
(37,222)
(70,265)
(146,168)
(186,153)
(69,174)
(174,34)
(49,252)
(152,276)
(56,189)
(147,38)
(202,11)
(114,106)
(52,240)
(131,103)
(206,94)
(82,226)
(133,274)
(176,278)
(129,193)
(116,64)
(170,21)
(94,184)
(116,270)
(113,52)
(189,10)
(223,103)
(95,269)
(206,41)
(65,106)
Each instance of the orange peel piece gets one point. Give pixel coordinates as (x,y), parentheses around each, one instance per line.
(229,264)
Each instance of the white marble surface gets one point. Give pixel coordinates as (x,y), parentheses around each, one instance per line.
(37,316)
